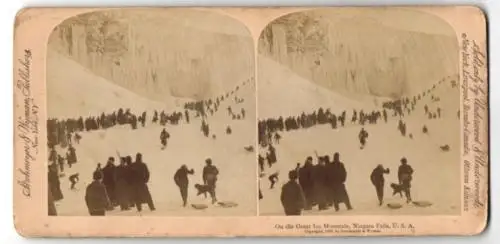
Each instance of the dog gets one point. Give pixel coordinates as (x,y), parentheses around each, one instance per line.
(397,188)
(445,148)
(202,189)
(249,149)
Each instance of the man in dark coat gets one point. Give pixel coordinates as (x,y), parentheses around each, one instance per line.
(362,137)
(339,190)
(51,206)
(330,180)
(261,163)
(60,161)
(54,183)
(210,174)
(186,116)
(122,188)
(108,173)
(182,181)
(405,176)
(306,182)
(164,135)
(53,155)
(96,197)
(141,178)
(320,184)
(71,156)
(292,196)
(377,179)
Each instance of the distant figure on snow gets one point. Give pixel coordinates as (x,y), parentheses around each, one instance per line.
(362,137)
(74,178)
(71,156)
(273,178)
(277,138)
(164,135)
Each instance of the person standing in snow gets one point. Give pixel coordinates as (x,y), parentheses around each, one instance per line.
(405,176)
(339,176)
(362,137)
(108,180)
(377,179)
(140,180)
(292,197)
(71,156)
(210,174)
(182,181)
(54,183)
(52,211)
(186,116)
(60,161)
(306,182)
(261,163)
(164,135)
(122,188)
(96,197)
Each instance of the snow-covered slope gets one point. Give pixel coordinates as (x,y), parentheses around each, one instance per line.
(84,94)
(437,173)
(73,91)
(281,92)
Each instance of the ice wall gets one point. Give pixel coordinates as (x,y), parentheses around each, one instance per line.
(156,58)
(364,56)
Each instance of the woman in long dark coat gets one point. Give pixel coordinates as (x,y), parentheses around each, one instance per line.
(54,183)
(320,184)
(122,189)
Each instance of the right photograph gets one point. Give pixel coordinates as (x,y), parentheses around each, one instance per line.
(359,114)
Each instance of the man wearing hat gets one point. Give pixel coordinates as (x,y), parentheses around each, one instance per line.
(210,173)
(292,196)
(405,173)
(96,197)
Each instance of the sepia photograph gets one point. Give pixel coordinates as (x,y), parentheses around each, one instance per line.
(359,114)
(251,121)
(151,112)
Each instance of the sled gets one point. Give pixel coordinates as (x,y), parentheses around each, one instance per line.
(422,204)
(199,206)
(227,204)
(394,205)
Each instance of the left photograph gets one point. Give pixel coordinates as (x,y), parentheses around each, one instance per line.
(151,112)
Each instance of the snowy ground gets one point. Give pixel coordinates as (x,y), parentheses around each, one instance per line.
(437,174)
(187,145)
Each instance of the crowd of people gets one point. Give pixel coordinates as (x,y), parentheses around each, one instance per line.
(125,185)
(323,184)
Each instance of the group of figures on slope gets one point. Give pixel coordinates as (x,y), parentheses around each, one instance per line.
(323,185)
(126,186)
